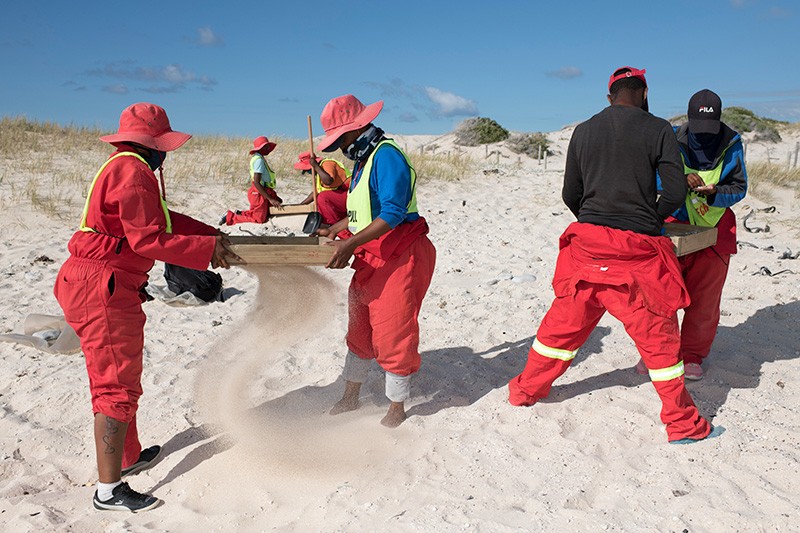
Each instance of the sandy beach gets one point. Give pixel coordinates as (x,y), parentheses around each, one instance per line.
(237,392)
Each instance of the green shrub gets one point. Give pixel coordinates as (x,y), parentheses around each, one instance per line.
(479,130)
(743,121)
(529,144)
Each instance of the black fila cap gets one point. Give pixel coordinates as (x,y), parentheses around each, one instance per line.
(705,109)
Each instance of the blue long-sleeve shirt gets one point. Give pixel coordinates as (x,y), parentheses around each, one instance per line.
(389,186)
(732,186)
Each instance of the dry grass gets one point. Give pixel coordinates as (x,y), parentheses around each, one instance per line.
(49,166)
(763,178)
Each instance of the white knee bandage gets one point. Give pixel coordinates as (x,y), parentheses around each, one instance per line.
(355,369)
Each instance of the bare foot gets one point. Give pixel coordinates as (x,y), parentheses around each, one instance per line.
(349,401)
(343,406)
(395,415)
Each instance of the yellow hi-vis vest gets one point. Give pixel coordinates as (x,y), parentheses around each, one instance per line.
(88,229)
(266,181)
(321,187)
(700,213)
(359,205)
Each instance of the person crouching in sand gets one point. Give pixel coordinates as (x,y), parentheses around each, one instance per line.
(393,257)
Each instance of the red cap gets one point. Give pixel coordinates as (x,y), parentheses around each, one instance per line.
(628,72)
(148,125)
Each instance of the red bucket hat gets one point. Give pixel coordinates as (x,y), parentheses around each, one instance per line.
(261,142)
(629,72)
(148,125)
(343,114)
(303,161)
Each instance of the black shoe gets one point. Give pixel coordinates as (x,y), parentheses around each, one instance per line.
(145,460)
(223,220)
(124,498)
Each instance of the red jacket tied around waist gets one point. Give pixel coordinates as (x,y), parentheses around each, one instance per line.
(598,254)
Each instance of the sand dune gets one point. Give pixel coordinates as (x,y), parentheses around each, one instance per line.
(238,392)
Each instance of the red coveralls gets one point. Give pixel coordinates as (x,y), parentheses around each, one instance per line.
(332,205)
(637,279)
(259,208)
(704,273)
(392,275)
(99,286)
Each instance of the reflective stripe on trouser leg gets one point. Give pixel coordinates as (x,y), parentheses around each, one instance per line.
(398,388)
(355,369)
(666,374)
(553,353)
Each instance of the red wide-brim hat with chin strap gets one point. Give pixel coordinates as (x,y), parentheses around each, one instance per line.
(304,161)
(260,143)
(343,114)
(147,125)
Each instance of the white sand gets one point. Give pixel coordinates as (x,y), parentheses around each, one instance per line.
(237,392)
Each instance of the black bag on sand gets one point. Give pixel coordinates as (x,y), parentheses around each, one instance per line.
(204,284)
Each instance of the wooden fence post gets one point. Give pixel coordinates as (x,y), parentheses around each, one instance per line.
(539,159)
(545,159)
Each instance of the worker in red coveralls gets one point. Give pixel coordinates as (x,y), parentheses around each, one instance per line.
(124,228)
(332,182)
(713,160)
(393,258)
(614,258)
(262,193)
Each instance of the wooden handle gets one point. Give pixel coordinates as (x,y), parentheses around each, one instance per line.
(310,155)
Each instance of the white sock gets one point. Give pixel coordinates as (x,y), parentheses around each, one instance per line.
(106,490)
(398,388)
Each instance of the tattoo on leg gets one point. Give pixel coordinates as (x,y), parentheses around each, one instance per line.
(112,428)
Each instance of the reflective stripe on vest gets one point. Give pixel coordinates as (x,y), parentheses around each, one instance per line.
(85,227)
(359,203)
(269,181)
(553,353)
(321,187)
(700,213)
(666,374)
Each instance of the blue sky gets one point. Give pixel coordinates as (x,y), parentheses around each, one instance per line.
(252,68)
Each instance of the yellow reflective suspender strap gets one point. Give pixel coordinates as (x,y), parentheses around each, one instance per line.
(84,227)
(666,374)
(553,353)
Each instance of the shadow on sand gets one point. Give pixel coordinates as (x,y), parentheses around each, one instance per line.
(734,363)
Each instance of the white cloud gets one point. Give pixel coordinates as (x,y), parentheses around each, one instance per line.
(207,37)
(169,78)
(119,88)
(566,73)
(776,12)
(447,104)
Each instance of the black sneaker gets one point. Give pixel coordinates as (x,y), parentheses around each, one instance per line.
(223,220)
(145,460)
(124,498)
